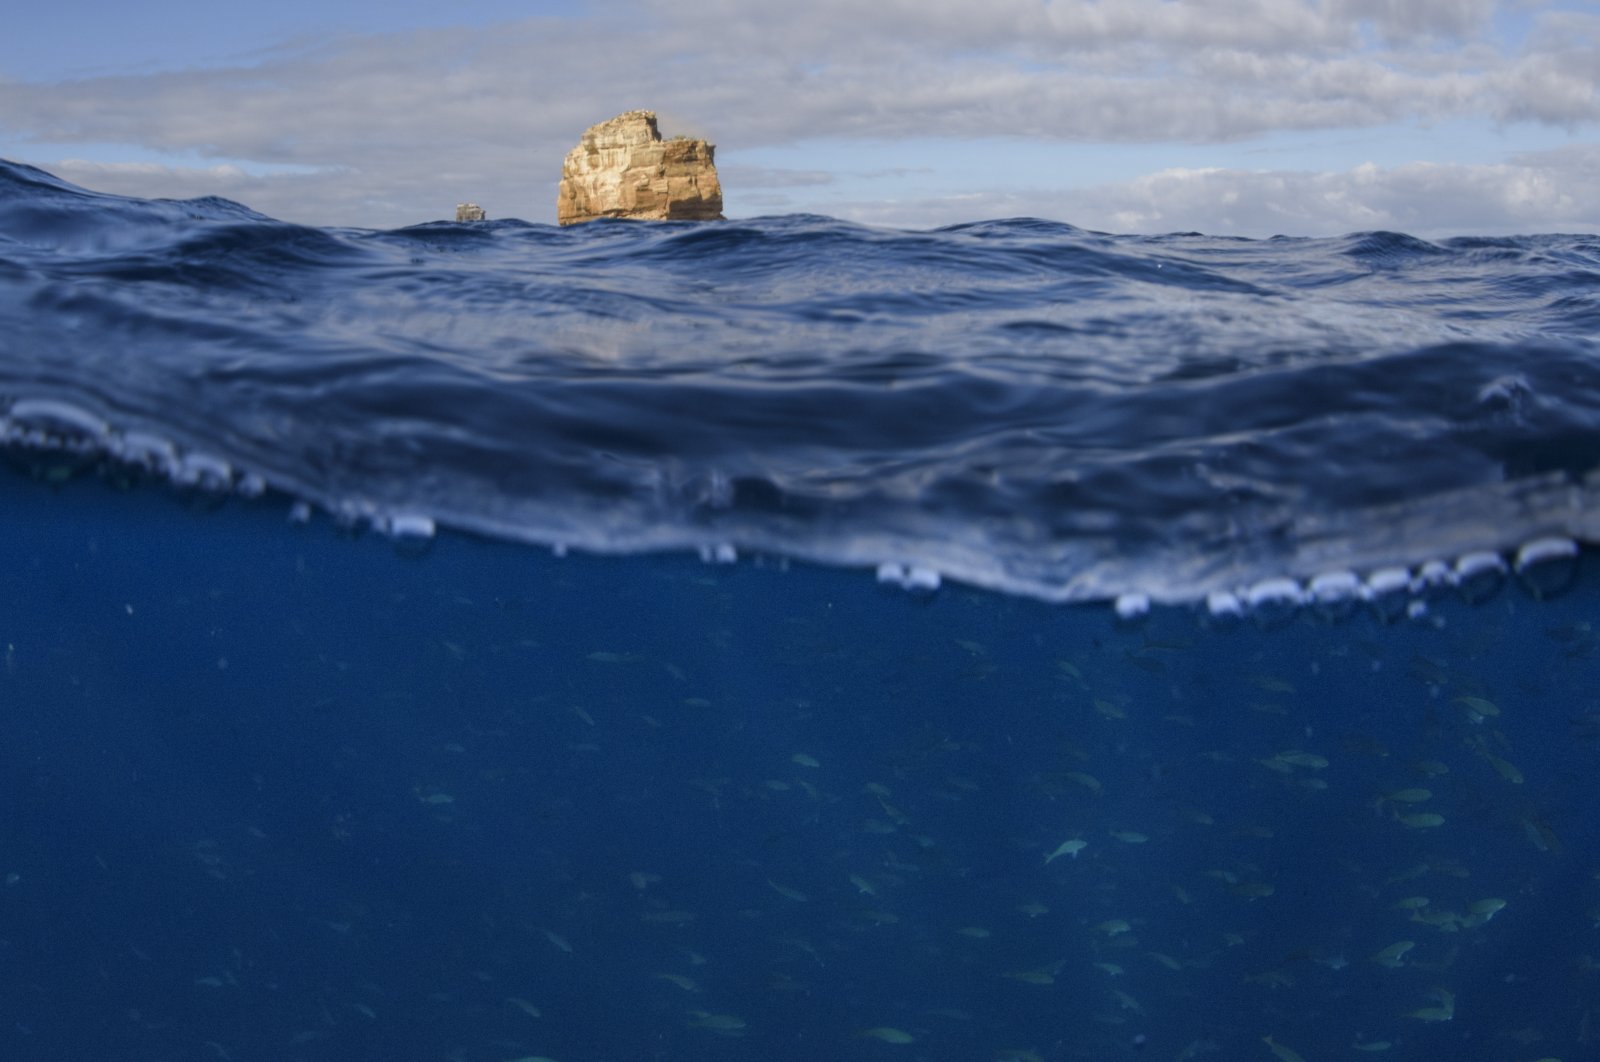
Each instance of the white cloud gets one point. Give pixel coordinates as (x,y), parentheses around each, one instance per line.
(396,128)
(1410,20)
(1543,191)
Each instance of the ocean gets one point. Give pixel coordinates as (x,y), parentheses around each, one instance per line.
(783,639)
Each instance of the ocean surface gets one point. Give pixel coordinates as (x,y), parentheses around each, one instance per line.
(783,639)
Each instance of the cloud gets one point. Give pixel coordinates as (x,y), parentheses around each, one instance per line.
(1412,20)
(1543,191)
(395,128)
(772,177)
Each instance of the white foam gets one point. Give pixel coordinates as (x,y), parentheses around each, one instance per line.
(721,553)
(204,471)
(410,527)
(151,452)
(1332,588)
(1274,592)
(909,577)
(1132,606)
(57,418)
(1224,603)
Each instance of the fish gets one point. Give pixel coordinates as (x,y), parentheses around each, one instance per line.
(1394,955)
(1477,709)
(1109,710)
(527,1008)
(1067,848)
(1409,796)
(1287,1054)
(726,1024)
(1271,684)
(1483,910)
(688,984)
(1422,821)
(1445,1011)
(1503,768)
(787,893)
(1088,781)
(888,1034)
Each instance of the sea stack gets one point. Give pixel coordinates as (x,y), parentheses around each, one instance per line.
(623,169)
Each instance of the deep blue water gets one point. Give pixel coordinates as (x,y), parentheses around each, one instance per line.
(311,747)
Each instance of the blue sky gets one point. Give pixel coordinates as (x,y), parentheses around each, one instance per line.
(1247,117)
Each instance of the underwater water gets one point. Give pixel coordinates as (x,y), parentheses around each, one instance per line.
(790,640)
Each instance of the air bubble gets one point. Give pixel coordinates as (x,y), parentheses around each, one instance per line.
(1386,591)
(1274,601)
(1478,575)
(1386,581)
(1547,566)
(1335,593)
(1433,575)
(1277,592)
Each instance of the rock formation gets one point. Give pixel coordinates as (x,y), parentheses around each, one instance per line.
(623,169)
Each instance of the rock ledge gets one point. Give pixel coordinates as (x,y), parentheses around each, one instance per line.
(623,169)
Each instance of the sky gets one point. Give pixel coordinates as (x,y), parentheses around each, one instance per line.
(1232,117)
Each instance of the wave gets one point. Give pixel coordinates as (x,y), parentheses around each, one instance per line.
(1016,404)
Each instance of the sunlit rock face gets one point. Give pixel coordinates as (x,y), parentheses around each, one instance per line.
(623,169)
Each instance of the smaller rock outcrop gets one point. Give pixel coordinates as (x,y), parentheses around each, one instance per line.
(623,169)
(470,212)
